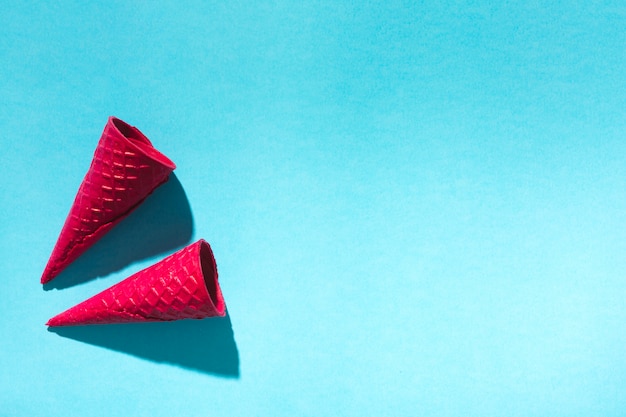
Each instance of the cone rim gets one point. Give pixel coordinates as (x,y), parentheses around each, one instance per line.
(208,268)
(140,142)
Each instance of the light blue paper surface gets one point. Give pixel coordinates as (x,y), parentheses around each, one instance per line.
(417,209)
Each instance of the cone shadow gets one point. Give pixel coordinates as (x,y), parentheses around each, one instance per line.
(163,223)
(206,345)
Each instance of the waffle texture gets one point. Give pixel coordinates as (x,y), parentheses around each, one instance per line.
(125,169)
(182,286)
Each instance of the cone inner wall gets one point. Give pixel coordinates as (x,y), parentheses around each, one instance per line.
(209,273)
(140,141)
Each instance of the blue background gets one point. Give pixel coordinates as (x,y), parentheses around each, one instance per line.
(416,208)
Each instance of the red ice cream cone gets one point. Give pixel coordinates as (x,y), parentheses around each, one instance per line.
(182,286)
(125,169)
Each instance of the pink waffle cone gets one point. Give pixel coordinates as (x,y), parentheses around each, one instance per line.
(125,169)
(182,286)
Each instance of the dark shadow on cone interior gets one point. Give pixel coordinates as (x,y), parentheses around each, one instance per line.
(162,224)
(206,345)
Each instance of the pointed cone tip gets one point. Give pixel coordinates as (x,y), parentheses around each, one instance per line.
(59,320)
(47,276)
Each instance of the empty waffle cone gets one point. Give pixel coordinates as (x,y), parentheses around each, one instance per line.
(182,286)
(125,169)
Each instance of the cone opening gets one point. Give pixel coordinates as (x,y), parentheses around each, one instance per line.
(141,142)
(209,273)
